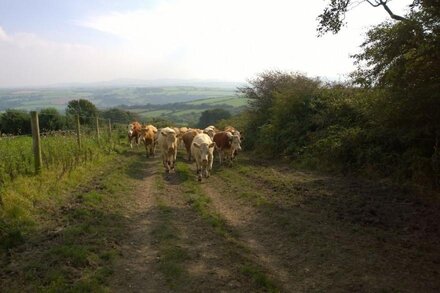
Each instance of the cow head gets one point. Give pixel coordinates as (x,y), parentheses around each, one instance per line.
(205,150)
(235,145)
(171,139)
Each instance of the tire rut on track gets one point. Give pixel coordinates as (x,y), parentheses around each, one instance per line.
(254,232)
(135,270)
(210,263)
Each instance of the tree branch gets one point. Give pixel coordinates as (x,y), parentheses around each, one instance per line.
(393,16)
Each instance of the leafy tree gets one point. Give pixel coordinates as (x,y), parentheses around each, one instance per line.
(160,122)
(333,16)
(51,119)
(403,60)
(120,116)
(15,122)
(87,111)
(261,93)
(210,117)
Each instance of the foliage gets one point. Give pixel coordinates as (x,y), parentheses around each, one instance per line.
(329,126)
(15,122)
(390,126)
(403,60)
(51,119)
(211,117)
(333,16)
(119,115)
(86,110)
(59,151)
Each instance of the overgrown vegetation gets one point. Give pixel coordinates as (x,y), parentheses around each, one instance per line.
(72,226)
(386,123)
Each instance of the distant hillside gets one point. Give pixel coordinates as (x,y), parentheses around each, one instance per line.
(127,82)
(188,113)
(105,97)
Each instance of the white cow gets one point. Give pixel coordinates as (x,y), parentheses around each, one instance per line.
(210,130)
(167,142)
(202,150)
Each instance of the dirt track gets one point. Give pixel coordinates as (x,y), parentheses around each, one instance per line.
(269,228)
(254,227)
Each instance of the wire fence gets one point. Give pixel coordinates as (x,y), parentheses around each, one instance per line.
(60,150)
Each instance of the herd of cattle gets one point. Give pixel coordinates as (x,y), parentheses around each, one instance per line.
(199,144)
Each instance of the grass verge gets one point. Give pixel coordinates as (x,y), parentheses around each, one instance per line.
(74,236)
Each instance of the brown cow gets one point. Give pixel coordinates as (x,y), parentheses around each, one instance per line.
(234,131)
(227,144)
(148,135)
(134,133)
(187,139)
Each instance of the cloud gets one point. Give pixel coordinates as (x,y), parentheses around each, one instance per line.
(230,39)
(219,39)
(29,60)
(3,35)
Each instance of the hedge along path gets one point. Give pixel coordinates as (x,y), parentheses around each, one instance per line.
(171,245)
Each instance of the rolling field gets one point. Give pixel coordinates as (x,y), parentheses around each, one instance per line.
(105,97)
(189,112)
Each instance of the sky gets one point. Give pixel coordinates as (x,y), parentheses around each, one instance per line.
(48,42)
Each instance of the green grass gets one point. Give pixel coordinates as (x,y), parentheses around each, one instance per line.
(106,96)
(87,222)
(58,153)
(259,278)
(201,203)
(231,101)
(172,255)
(246,187)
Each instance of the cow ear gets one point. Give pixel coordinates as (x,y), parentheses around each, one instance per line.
(196,145)
(212,145)
(164,133)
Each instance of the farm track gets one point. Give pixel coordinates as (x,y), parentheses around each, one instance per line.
(254,227)
(171,247)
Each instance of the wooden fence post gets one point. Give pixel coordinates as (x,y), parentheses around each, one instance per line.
(110,133)
(97,129)
(36,142)
(78,131)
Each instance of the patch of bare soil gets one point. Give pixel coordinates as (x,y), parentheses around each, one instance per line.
(197,260)
(316,233)
(213,264)
(136,269)
(256,233)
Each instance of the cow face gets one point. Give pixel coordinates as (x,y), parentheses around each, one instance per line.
(205,150)
(171,142)
(235,144)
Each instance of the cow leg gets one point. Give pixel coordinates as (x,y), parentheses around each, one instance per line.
(220,156)
(188,151)
(229,157)
(198,171)
(210,161)
(146,149)
(165,163)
